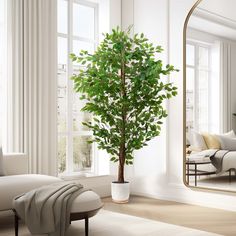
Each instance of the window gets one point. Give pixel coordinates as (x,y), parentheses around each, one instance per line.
(77,29)
(201,114)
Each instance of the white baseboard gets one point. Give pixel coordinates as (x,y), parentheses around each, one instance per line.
(171,192)
(182,194)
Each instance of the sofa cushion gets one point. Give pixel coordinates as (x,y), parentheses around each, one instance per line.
(2,171)
(228,143)
(197,142)
(15,163)
(15,185)
(211,140)
(86,201)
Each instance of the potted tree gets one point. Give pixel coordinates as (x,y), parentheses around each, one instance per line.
(124,90)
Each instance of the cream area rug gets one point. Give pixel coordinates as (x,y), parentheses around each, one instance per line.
(107,223)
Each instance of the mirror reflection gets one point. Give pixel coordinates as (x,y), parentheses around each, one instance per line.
(211,96)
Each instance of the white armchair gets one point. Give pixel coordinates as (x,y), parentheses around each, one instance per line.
(15,163)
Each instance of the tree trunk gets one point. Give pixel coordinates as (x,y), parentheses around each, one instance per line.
(122,150)
(121,161)
(121,174)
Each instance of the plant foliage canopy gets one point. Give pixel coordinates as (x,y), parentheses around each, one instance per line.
(122,83)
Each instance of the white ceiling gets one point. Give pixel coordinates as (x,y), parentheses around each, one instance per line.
(225,8)
(217,17)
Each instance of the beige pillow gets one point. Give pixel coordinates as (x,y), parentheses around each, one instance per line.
(211,141)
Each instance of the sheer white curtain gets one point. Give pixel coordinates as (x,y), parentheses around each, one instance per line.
(11,79)
(225,86)
(33,67)
(3,71)
(40,84)
(14,83)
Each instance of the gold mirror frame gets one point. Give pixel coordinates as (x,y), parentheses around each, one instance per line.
(184,109)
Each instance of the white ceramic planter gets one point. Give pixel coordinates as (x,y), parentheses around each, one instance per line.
(120,192)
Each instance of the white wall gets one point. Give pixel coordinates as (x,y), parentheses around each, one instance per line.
(158,169)
(150,162)
(115,13)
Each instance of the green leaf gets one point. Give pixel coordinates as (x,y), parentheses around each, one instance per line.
(124,87)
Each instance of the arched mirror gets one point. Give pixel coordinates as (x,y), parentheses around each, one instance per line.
(210,95)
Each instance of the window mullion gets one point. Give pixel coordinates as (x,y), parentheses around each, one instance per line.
(62,35)
(196,80)
(209,90)
(82,39)
(69,92)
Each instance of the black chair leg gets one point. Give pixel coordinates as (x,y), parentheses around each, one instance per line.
(16,224)
(86,226)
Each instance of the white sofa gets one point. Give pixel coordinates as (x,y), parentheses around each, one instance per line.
(16,180)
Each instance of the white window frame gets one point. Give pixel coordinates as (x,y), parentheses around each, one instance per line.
(70,133)
(197,68)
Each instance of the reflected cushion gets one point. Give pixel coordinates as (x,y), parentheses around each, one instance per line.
(212,141)
(229,134)
(197,142)
(227,143)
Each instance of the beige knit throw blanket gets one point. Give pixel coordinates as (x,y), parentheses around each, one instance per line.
(46,210)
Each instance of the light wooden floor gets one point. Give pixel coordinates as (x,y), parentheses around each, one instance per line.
(202,218)
(191,216)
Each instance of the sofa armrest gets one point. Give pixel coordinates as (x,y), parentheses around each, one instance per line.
(15,163)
